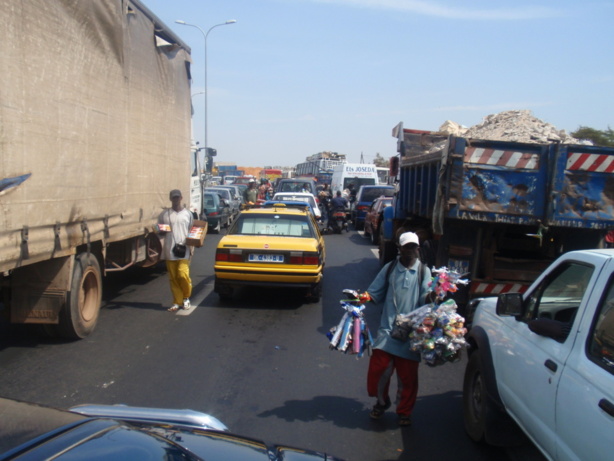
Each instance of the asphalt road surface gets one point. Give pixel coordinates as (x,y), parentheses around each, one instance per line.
(260,363)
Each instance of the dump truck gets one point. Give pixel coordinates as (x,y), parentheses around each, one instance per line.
(95,118)
(497,212)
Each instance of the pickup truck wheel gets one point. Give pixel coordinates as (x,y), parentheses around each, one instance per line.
(80,313)
(475,399)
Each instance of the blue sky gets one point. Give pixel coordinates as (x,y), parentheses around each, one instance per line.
(295,77)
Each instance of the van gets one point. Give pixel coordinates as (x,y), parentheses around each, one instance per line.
(358,174)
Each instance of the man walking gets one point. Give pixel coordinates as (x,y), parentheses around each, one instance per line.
(176,253)
(401,286)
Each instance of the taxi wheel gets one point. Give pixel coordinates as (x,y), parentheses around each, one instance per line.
(314,293)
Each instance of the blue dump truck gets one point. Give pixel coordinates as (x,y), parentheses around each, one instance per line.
(498,211)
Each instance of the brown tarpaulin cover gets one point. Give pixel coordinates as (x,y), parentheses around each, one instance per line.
(95,104)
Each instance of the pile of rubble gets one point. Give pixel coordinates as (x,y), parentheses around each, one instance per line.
(512,125)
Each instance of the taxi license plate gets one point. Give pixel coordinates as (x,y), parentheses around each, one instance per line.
(256,258)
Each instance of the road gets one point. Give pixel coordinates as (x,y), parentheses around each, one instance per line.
(260,363)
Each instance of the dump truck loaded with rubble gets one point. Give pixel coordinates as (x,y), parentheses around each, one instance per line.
(499,210)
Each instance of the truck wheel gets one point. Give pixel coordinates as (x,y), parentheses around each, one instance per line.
(475,399)
(80,313)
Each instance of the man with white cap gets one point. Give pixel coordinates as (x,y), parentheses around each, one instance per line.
(401,286)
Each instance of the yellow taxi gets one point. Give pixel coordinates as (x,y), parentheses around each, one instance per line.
(275,245)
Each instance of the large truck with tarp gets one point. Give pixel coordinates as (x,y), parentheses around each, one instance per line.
(498,212)
(96,131)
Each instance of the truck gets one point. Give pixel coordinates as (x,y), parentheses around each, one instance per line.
(96,131)
(497,212)
(543,361)
(355,174)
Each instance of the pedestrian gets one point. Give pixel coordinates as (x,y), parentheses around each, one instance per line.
(262,189)
(250,195)
(176,253)
(401,286)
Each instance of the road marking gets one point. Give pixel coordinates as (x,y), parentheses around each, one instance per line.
(195,302)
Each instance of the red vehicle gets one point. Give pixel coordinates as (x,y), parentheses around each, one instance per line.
(374,217)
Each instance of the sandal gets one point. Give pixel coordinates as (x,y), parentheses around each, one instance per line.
(405,420)
(378,410)
(173,308)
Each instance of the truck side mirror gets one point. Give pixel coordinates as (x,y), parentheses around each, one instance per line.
(509,304)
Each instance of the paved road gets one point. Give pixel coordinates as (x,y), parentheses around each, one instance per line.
(260,363)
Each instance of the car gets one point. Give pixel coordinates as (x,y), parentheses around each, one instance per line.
(300,197)
(543,361)
(364,199)
(275,245)
(111,432)
(296,185)
(375,216)
(229,194)
(217,211)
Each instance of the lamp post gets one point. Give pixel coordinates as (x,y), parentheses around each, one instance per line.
(205,36)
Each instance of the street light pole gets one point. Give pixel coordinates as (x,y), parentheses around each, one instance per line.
(205,36)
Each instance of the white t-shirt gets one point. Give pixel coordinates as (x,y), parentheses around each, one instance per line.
(181,223)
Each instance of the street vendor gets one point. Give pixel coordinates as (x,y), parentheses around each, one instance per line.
(401,286)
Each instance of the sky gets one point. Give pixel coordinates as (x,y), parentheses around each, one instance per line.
(292,78)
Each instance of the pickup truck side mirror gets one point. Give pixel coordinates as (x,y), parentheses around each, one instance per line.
(509,304)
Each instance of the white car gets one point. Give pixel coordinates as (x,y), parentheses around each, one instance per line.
(300,197)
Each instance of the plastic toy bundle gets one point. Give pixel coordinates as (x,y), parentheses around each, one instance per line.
(445,281)
(351,335)
(438,333)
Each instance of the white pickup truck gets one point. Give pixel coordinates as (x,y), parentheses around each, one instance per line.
(545,360)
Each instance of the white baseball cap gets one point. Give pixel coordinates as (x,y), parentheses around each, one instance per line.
(408,237)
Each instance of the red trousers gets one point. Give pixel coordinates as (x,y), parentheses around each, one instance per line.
(381,367)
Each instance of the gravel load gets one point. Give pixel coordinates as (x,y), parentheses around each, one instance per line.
(512,125)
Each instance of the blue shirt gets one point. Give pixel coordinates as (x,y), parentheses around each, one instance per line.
(401,295)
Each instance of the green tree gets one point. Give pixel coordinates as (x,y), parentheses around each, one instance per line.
(597,137)
(381,161)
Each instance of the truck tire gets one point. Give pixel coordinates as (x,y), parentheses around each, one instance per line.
(475,399)
(79,315)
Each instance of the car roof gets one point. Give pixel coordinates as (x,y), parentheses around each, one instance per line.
(277,207)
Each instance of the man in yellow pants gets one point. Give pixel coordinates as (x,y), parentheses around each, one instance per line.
(176,253)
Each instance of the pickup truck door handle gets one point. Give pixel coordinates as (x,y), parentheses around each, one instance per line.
(607,406)
(550,365)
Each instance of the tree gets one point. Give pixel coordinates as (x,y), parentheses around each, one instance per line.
(381,161)
(597,137)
